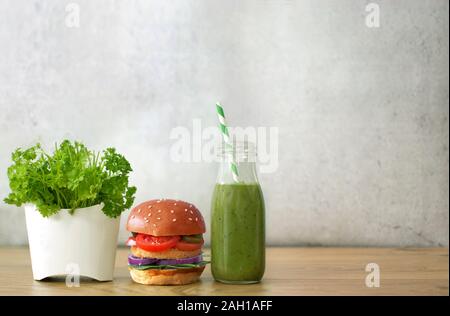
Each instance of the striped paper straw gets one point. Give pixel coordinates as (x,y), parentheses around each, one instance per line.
(226,138)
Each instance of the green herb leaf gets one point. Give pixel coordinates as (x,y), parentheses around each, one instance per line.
(73,177)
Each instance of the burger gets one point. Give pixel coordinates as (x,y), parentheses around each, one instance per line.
(166,242)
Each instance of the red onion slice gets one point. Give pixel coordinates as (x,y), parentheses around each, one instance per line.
(153,261)
(130,242)
(141,261)
(195,259)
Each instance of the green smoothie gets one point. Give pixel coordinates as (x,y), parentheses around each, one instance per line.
(238,233)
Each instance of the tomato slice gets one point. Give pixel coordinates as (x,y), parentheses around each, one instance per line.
(153,243)
(188,246)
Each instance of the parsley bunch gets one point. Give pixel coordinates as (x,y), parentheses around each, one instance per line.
(73,177)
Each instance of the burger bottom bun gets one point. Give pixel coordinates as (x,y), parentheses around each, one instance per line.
(166,277)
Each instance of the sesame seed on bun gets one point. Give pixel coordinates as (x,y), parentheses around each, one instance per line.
(166,217)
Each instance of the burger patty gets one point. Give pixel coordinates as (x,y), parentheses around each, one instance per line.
(171,253)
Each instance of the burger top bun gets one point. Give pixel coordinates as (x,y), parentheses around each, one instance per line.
(166,217)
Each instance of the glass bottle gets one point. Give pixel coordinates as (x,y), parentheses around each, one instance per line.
(238,218)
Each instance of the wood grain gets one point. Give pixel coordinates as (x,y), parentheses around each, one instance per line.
(290,271)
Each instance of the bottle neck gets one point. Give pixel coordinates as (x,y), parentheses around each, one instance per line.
(243,156)
(246,172)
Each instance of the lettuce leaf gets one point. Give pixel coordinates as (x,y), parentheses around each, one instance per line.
(175,266)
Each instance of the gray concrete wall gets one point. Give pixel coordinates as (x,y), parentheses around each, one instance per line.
(362,113)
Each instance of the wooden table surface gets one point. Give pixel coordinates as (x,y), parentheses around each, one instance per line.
(289,271)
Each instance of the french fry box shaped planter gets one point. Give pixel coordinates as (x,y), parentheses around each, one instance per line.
(80,243)
(73,200)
